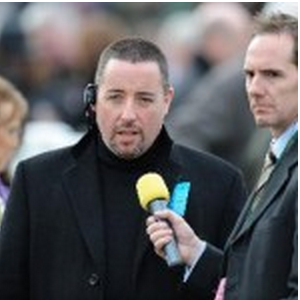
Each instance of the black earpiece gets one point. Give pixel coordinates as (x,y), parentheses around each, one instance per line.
(90,94)
(89,99)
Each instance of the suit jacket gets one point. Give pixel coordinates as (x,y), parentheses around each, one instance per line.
(262,251)
(52,244)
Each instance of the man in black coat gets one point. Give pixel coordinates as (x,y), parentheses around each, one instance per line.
(74,229)
(261,254)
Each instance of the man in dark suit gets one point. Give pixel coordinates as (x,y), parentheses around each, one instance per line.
(74,229)
(261,254)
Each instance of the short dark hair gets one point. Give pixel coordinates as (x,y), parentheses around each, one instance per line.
(279,23)
(134,50)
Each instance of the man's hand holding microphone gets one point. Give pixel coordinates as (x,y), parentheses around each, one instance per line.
(172,237)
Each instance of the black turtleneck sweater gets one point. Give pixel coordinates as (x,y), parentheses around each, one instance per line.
(123,215)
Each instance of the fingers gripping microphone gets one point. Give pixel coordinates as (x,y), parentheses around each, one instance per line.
(154,196)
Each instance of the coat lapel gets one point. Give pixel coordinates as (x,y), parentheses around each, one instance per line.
(278,179)
(143,244)
(81,182)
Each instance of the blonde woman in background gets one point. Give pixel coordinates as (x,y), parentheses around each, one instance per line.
(13,111)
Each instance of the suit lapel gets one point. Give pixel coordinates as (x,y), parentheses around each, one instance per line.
(278,179)
(81,183)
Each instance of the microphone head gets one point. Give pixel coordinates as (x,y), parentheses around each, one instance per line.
(151,186)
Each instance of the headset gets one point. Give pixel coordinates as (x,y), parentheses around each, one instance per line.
(89,99)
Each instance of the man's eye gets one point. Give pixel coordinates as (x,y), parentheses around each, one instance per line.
(249,74)
(271,74)
(114,97)
(146,99)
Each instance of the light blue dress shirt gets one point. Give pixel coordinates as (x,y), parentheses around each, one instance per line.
(279,144)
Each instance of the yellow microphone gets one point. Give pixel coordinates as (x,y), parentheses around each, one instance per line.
(154,195)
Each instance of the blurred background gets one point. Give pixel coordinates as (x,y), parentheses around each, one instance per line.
(50,52)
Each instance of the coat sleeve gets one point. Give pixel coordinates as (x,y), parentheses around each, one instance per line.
(203,281)
(14,244)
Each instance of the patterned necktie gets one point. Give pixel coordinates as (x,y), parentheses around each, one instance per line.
(268,167)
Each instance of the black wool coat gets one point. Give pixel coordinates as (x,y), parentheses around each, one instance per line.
(52,244)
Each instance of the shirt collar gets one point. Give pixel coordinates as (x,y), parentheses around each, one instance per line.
(279,144)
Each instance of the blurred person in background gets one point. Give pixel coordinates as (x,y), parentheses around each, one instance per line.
(63,41)
(206,117)
(43,132)
(221,30)
(99,29)
(13,112)
(180,49)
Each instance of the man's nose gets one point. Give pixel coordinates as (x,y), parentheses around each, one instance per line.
(255,86)
(129,110)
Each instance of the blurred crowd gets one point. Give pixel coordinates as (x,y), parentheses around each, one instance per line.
(50,51)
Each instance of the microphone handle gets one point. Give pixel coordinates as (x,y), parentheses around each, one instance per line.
(171,251)
(172,254)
